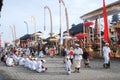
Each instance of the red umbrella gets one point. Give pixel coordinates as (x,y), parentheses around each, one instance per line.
(87,24)
(80,35)
(7,42)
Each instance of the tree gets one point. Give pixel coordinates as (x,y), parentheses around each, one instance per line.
(76,29)
(1,4)
(115,18)
(73,25)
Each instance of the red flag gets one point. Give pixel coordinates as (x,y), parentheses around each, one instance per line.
(106,33)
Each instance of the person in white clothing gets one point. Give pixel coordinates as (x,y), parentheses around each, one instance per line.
(41,55)
(40,67)
(34,64)
(46,50)
(16,58)
(27,51)
(68,65)
(10,62)
(27,60)
(22,61)
(30,64)
(78,52)
(106,53)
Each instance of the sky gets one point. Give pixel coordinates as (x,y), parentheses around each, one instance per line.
(15,12)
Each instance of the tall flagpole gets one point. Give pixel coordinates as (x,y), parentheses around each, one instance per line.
(51,32)
(33,18)
(26,26)
(67,22)
(44,21)
(60,18)
(100,37)
(14,34)
(60,28)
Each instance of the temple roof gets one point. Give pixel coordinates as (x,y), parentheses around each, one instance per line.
(113,8)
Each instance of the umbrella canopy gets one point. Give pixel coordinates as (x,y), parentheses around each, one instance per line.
(67,37)
(80,35)
(87,24)
(53,40)
(7,42)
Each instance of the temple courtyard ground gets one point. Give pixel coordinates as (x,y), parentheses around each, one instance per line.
(56,71)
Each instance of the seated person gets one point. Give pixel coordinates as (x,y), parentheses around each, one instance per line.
(40,67)
(41,54)
(10,61)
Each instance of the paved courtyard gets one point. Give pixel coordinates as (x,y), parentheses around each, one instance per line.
(56,71)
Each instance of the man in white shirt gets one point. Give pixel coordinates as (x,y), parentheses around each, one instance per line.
(78,57)
(106,52)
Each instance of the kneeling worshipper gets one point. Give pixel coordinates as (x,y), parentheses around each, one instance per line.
(27,60)
(40,67)
(22,61)
(41,54)
(10,61)
(27,51)
(16,57)
(34,64)
(30,63)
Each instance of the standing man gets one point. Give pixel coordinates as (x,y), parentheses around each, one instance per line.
(78,57)
(106,53)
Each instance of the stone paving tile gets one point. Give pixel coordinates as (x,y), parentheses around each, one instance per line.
(56,71)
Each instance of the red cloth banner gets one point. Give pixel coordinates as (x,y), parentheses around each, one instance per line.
(106,33)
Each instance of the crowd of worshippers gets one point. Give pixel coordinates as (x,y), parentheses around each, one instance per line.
(28,59)
(23,58)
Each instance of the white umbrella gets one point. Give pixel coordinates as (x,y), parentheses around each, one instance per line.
(67,37)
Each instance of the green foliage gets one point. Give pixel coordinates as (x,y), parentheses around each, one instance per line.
(115,18)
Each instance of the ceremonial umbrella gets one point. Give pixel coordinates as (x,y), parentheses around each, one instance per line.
(80,35)
(53,39)
(67,37)
(87,24)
